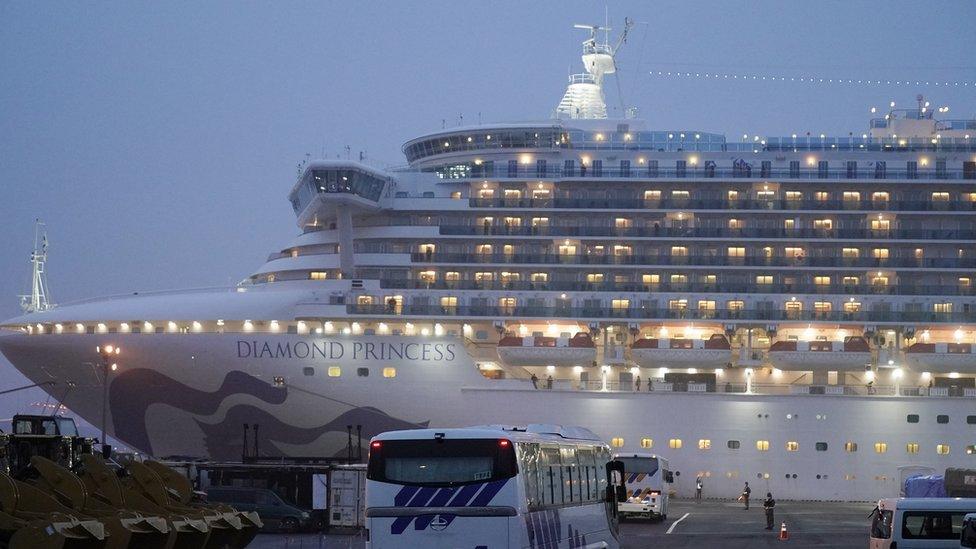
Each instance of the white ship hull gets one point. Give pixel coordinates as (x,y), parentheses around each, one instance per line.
(190,394)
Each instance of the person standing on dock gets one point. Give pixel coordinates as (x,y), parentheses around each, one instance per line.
(746,492)
(768,506)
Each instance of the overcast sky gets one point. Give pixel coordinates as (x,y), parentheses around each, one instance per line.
(158,140)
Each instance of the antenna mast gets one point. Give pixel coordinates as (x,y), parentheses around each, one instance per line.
(38,299)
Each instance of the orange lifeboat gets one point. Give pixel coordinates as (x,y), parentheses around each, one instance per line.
(682,353)
(578,350)
(851,354)
(941,357)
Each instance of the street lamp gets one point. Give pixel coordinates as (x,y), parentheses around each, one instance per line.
(107,355)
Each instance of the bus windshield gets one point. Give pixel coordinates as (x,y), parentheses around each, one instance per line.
(647,465)
(441,462)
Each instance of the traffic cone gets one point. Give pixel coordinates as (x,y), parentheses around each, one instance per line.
(783,534)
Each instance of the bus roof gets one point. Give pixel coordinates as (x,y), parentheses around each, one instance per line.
(932,504)
(533,432)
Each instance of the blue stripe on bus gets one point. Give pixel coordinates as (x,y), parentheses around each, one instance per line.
(419,500)
(404,495)
(484,498)
(488,494)
(439,499)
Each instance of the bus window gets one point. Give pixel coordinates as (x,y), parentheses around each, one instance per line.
(932,524)
(528,462)
(442,462)
(551,472)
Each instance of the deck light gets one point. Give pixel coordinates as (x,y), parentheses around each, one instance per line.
(425,332)
(577,369)
(954,375)
(550,368)
(346,331)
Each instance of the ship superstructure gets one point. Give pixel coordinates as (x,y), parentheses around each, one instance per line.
(795,310)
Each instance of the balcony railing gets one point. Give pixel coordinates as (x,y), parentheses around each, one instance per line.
(642,171)
(723,204)
(694,260)
(661,313)
(696,288)
(708,232)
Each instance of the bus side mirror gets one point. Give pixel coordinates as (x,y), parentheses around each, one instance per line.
(106,451)
(669,477)
(968,538)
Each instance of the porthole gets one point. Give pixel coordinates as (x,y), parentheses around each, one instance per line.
(308,370)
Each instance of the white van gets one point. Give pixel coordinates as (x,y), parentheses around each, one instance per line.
(919,522)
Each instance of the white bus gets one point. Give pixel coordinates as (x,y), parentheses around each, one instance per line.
(492,486)
(648,482)
(919,522)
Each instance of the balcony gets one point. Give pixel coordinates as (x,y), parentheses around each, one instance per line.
(651,171)
(695,288)
(708,232)
(695,260)
(724,204)
(762,315)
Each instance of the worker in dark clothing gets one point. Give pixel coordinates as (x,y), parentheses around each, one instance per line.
(768,507)
(637,384)
(698,489)
(746,492)
(535,381)
(549,383)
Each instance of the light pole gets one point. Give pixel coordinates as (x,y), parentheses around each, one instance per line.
(107,354)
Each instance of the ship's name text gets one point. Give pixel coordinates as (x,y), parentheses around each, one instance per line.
(335,350)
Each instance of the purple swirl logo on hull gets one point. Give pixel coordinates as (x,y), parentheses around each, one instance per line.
(134,391)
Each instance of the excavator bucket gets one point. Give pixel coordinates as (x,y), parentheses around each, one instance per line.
(42,522)
(180,488)
(225,527)
(126,527)
(101,479)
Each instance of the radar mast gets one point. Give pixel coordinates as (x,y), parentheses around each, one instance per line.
(37,300)
(584,95)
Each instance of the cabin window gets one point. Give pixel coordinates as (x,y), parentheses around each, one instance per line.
(308,371)
(821,446)
(911,447)
(704,444)
(733,444)
(850,447)
(646,443)
(942,449)
(674,444)
(389,372)
(913,418)
(362,372)
(617,442)
(335,371)
(792,446)
(942,419)
(971,420)
(762,445)
(880,447)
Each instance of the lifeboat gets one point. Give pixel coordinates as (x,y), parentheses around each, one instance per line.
(578,350)
(941,357)
(851,354)
(682,353)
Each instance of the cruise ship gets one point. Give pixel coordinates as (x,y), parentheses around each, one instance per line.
(797,312)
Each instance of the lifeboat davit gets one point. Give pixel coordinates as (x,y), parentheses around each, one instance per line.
(682,353)
(578,350)
(941,358)
(851,354)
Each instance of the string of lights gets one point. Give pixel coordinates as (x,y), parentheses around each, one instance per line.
(808,79)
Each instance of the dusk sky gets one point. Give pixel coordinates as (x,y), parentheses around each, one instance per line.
(158,140)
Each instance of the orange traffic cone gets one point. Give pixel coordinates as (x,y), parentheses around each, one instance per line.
(783,534)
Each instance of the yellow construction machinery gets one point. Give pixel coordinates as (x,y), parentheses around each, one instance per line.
(55,493)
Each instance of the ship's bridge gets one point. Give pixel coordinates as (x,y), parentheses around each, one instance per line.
(337,190)
(327,186)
